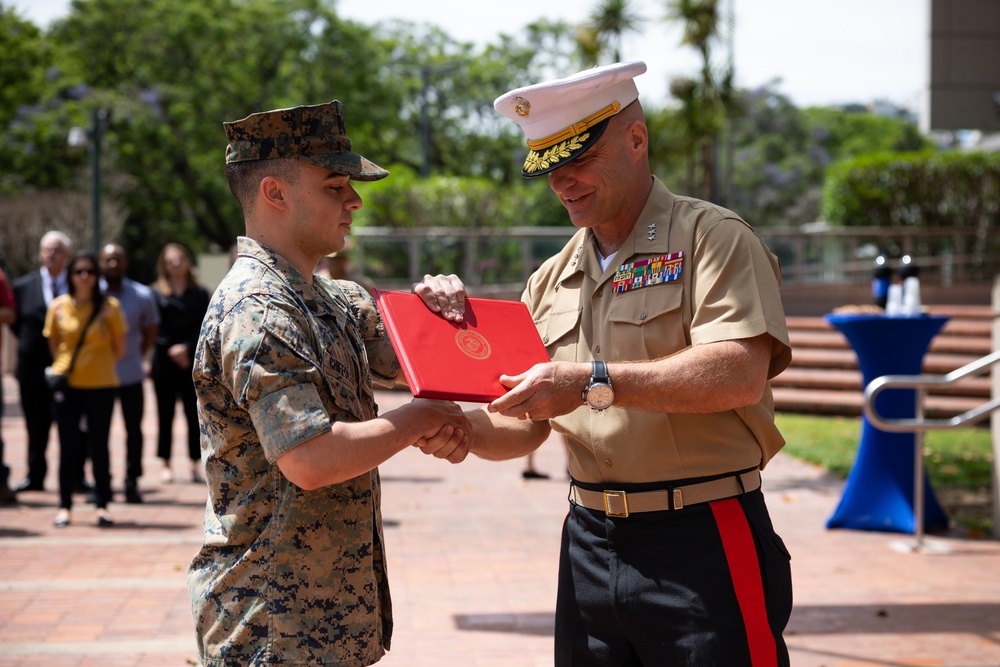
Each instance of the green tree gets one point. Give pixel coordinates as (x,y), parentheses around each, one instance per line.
(171,72)
(849,133)
(778,169)
(22,68)
(445,122)
(782,153)
(37,108)
(605,29)
(708,100)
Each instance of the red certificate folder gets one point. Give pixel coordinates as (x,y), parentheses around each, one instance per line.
(460,361)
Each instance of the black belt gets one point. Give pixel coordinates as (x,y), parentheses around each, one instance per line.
(621,503)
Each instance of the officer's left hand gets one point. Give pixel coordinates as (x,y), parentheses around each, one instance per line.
(543,391)
(443,294)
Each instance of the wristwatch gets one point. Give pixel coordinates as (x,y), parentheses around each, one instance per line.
(598,394)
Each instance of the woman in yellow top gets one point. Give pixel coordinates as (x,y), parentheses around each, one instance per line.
(92,380)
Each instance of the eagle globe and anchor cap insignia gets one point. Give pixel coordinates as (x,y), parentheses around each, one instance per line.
(522,107)
(473,344)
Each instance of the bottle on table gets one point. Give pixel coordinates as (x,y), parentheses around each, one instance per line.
(909,274)
(881,279)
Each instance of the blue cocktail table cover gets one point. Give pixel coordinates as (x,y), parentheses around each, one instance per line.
(879,490)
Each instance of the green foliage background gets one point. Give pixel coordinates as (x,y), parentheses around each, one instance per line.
(958,190)
(419,102)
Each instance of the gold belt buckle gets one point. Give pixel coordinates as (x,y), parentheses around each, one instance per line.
(618,499)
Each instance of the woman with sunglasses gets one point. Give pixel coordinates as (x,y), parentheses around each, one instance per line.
(92,380)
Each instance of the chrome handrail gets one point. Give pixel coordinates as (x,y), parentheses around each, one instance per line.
(920,382)
(918,425)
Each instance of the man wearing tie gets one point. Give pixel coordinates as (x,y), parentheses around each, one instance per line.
(33,293)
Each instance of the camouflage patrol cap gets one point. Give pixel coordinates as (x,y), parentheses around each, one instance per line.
(314,133)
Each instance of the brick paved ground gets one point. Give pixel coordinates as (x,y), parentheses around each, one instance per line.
(472,564)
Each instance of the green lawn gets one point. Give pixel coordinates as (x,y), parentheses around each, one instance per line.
(959,462)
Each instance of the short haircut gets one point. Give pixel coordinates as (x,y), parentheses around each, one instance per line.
(244,177)
(59,236)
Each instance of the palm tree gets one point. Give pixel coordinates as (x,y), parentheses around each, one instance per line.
(710,99)
(700,21)
(603,32)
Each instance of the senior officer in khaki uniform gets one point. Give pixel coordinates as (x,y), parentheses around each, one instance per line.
(664,323)
(292,570)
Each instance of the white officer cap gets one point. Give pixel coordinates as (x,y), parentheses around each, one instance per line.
(562,118)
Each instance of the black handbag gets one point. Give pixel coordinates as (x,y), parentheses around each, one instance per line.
(58,383)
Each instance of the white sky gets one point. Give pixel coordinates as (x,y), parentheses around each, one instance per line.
(823,52)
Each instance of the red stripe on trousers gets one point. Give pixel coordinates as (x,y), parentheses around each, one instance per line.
(745,571)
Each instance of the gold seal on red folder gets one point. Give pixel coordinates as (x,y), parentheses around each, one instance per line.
(473,344)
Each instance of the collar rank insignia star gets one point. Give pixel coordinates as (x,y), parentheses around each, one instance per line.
(652,232)
(652,271)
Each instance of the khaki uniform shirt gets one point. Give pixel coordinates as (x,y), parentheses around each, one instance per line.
(727,289)
(287,576)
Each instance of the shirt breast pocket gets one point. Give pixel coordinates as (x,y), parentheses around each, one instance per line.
(649,320)
(346,389)
(560,333)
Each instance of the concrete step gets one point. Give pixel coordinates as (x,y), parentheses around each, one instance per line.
(960,311)
(823,377)
(934,363)
(959,326)
(978,346)
(851,380)
(849,403)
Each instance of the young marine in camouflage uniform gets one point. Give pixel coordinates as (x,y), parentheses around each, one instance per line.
(293,568)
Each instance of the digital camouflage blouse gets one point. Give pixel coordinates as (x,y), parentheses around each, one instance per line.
(287,576)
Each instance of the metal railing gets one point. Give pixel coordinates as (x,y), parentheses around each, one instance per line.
(817,252)
(497,258)
(919,425)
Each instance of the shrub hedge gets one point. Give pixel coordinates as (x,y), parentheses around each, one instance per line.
(929,189)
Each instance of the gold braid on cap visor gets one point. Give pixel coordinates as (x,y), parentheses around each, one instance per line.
(576,128)
(536,162)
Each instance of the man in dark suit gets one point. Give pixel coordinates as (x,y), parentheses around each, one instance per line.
(33,293)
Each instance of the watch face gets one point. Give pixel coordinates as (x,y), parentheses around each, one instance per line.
(600,396)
